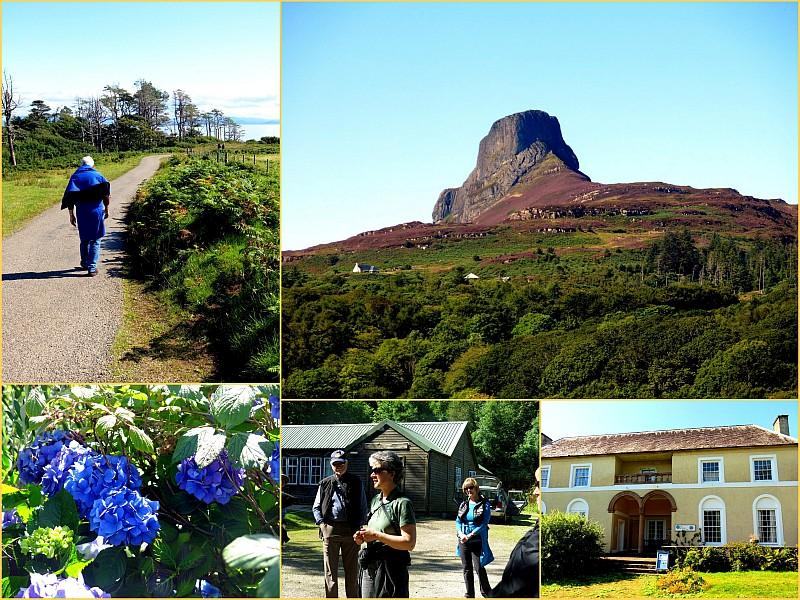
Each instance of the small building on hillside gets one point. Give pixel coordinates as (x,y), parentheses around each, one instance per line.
(706,486)
(438,456)
(365,268)
(471,277)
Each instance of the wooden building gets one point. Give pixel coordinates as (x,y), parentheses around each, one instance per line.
(438,456)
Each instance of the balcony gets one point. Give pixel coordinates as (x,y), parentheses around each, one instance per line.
(643,478)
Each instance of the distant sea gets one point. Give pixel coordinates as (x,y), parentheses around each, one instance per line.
(254,132)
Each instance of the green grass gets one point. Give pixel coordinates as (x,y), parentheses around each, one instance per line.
(28,193)
(746,584)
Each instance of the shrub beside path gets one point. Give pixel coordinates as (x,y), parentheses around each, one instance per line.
(435,570)
(59,324)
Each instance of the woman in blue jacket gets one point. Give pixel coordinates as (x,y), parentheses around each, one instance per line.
(472,529)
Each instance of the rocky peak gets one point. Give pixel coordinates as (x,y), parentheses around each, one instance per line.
(513,148)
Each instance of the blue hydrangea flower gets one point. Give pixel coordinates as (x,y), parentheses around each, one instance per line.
(218,482)
(206,590)
(33,459)
(57,471)
(49,585)
(10,517)
(95,477)
(275,407)
(125,518)
(274,465)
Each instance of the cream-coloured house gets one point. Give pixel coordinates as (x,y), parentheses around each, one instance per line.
(708,485)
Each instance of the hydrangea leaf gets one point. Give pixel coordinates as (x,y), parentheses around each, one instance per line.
(189,442)
(105,424)
(140,440)
(12,585)
(35,403)
(249,450)
(60,509)
(230,405)
(252,552)
(269,586)
(107,570)
(208,449)
(75,568)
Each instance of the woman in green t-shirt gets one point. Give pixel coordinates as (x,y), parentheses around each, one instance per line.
(390,532)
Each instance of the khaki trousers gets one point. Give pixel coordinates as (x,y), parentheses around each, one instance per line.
(336,538)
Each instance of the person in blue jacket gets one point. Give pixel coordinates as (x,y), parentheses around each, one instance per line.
(87,197)
(472,529)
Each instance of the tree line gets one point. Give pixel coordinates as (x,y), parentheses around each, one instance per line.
(116,119)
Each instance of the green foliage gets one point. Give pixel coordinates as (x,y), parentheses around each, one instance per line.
(209,233)
(154,427)
(570,545)
(739,556)
(678,582)
(575,334)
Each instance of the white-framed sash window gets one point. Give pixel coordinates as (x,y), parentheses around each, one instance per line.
(710,470)
(580,475)
(763,467)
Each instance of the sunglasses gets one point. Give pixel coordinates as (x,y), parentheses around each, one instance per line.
(469,487)
(377,470)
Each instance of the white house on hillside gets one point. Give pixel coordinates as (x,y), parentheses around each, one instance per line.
(365,268)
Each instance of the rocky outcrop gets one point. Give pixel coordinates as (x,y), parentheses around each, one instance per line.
(512,150)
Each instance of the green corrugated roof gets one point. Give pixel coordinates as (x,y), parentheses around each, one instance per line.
(440,436)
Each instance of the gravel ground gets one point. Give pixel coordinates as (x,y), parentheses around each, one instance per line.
(435,570)
(59,324)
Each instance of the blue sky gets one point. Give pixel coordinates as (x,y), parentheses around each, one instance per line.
(224,55)
(384,104)
(592,417)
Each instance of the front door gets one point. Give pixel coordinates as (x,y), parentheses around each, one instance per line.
(620,535)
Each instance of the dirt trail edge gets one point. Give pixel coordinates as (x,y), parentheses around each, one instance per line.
(59,324)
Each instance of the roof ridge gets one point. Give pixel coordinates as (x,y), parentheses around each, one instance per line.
(577,437)
(783,435)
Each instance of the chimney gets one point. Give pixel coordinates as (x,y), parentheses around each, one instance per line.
(781,424)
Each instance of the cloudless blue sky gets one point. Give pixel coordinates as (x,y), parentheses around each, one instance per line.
(593,417)
(384,104)
(225,55)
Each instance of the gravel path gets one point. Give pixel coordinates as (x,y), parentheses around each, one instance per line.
(59,324)
(435,570)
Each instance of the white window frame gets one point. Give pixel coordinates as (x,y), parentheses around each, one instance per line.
(458,480)
(544,483)
(306,463)
(573,468)
(471,473)
(708,459)
(294,462)
(316,463)
(663,528)
(722,520)
(778,519)
(574,501)
(773,466)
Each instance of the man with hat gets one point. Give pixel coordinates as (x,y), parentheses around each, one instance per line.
(340,509)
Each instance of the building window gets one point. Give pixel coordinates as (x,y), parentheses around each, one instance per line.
(763,468)
(712,521)
(710,470)
(655,529)
(578,507)
(767,526)
(581,476)
(459,481)
(290,469)
(471,473)
(712,526)
(545,475)
(767,521)
(310,470)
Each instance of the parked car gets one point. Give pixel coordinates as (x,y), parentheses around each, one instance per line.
(502,506)
(519,498)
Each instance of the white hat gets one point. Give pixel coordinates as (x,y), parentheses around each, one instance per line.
(88,161)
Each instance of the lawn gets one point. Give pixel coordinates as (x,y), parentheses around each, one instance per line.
(746,584)
(27,193)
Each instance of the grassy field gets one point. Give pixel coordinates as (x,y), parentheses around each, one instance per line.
(157,341)
(27,193)
(747,584)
